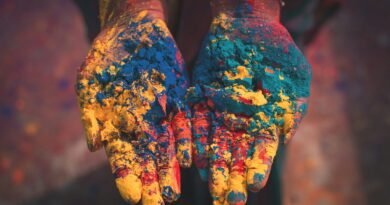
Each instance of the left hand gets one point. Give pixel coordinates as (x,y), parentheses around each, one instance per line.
(250,89)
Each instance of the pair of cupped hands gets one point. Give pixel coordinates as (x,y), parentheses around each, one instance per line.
(247,94)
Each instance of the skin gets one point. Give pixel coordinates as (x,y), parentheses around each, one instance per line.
(250,89)
(130,91)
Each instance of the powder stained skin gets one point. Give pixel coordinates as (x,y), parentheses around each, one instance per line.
(130,92)
(249,91)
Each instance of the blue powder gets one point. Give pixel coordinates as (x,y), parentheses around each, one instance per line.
(242,47)
(100,97)
(159,55)
(236,197)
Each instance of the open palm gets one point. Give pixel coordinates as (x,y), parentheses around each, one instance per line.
(130,92)
(249,92)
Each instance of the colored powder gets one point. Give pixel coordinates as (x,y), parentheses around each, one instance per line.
(251,75)
(130,86)
(249,71)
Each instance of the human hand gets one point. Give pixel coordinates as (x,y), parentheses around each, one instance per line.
(250,89)
(130,91)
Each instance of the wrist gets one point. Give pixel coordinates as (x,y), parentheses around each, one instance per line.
(113,11)
(264,9)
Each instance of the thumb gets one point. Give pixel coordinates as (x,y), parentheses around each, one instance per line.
(293,120)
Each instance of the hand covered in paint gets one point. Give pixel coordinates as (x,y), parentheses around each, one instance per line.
(250,90)
(130,92)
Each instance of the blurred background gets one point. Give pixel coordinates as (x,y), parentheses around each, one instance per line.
(338,157)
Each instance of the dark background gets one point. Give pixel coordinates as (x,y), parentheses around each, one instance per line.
(339,155)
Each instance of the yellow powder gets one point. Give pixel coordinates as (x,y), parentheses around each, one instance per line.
(258,166)
(242,73)
(129,188)
(237,182)
(222,21)
(256,97)
(262,116)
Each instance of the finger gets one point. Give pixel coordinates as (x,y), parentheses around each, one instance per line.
(182,130)
(292,121)
(122,158)
(200,130)
(237,193)
(219,164)
(91,127)
(167,164)
(151,194)
(259,166)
